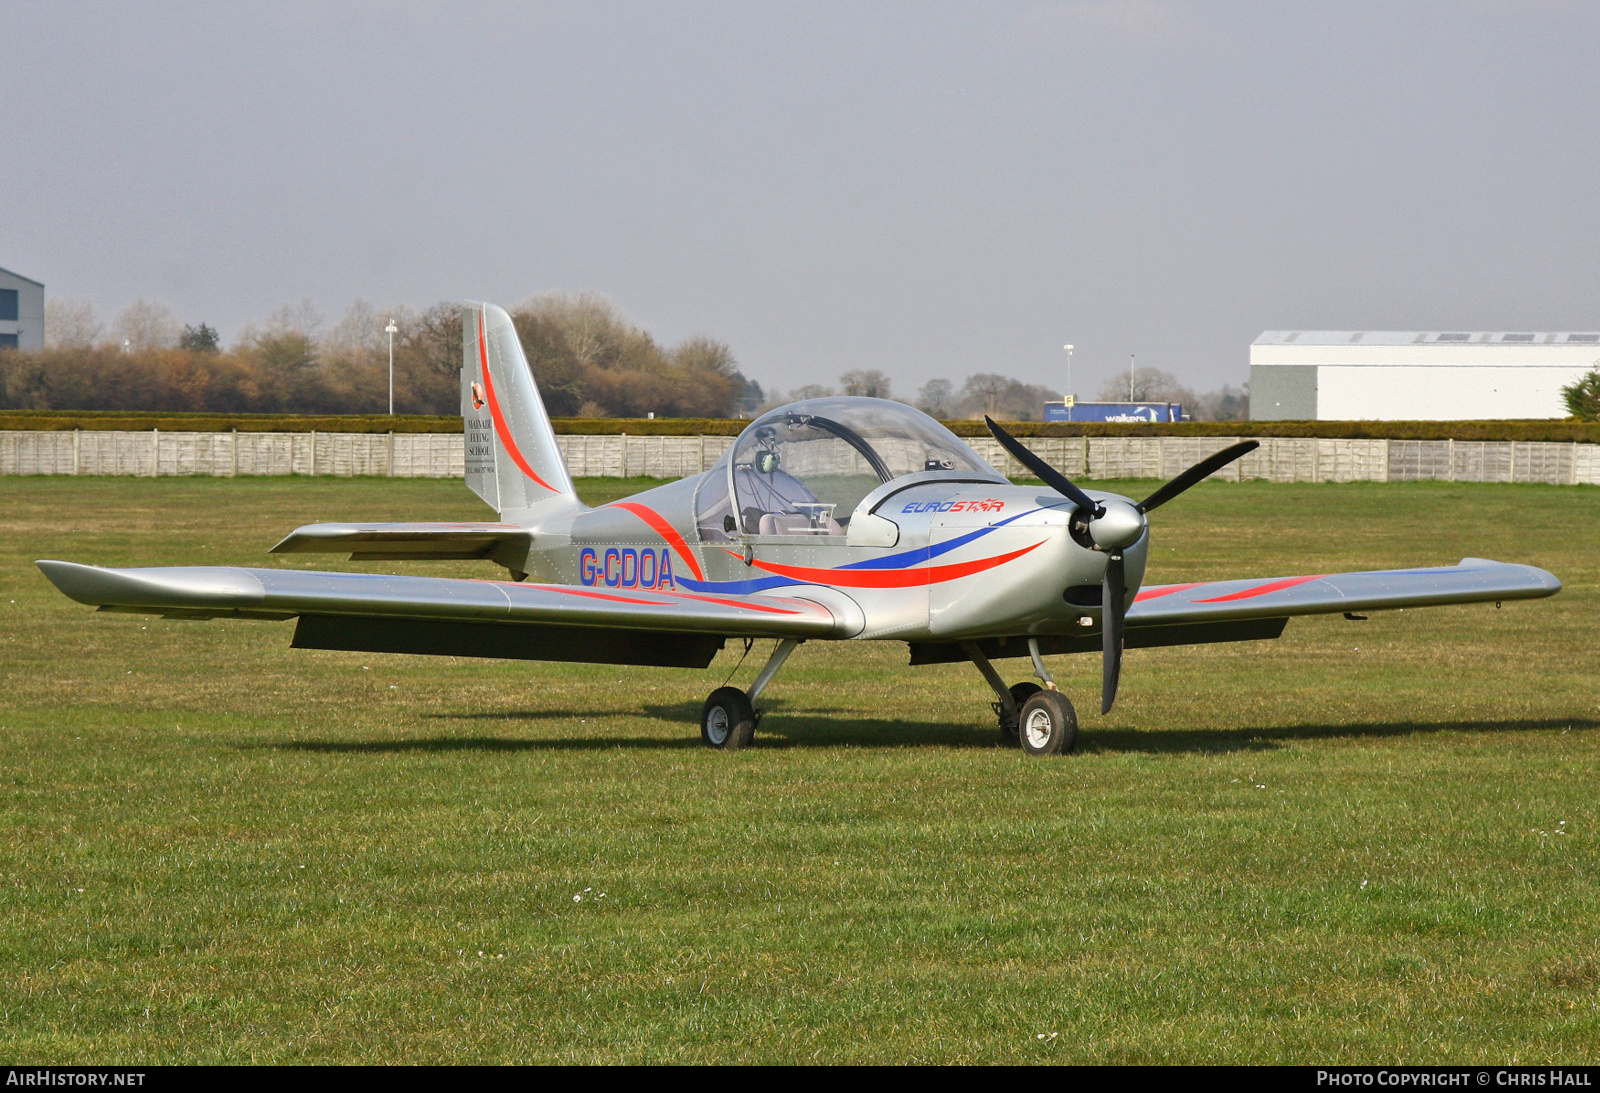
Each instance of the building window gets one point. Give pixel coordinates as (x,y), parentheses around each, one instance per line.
(8,341)
(8,306)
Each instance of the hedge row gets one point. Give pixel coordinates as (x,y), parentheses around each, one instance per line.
(1583,432)
(145,420)
(1586,432)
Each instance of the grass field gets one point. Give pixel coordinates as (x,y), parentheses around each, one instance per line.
(1364,842)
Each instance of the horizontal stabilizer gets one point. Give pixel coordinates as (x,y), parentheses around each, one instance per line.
(386,542)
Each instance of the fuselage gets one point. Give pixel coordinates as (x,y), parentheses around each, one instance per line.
(926,556)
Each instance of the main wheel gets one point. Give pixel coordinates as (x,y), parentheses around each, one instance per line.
(1049,724)
(728,721)
(1020,693)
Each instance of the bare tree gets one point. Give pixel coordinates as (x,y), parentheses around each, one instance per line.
(143,325)
(1227,403)
(427,361)
(982,392)
(1149,385)
(292,363)
(360,329)
(937,398)
(70,324)
(1003,397)
(594,329)
(865,384)
(706,354)
(302,318)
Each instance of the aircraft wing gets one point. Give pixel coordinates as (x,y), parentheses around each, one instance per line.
(389,542)
(1259,609)
(455,617)
(1474,580)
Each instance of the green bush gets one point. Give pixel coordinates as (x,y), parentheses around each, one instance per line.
(1583,397)
(145,420)
(1564,431)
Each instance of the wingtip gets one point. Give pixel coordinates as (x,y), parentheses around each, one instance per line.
(1549,583)
(181,587)
(71,579)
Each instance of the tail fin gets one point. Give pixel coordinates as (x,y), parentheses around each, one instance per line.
(513,462)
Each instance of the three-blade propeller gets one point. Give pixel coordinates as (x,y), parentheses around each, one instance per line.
(1112,527)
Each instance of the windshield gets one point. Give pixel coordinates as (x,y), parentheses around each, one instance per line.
(802,469)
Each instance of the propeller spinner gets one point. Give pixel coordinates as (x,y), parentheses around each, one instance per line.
(1113,526)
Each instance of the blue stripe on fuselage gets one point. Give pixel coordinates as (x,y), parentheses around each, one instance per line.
(737,588)
(908,558)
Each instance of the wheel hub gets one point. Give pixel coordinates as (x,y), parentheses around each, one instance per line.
(717,724)
(1037,727)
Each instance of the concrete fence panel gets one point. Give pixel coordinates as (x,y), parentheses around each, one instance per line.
(441,455)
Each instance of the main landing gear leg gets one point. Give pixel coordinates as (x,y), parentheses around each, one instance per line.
(728,720)
(1041,721)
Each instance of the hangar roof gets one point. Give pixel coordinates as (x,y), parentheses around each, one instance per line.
(20,277)
(1422,337)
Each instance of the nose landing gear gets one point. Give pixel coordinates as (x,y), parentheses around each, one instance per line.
(1040,721)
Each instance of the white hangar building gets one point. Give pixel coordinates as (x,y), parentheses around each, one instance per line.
(21,312)
(1388,375)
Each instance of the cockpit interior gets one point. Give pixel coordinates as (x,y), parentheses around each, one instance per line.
(802,469)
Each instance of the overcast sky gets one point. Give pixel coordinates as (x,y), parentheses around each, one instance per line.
(930,189)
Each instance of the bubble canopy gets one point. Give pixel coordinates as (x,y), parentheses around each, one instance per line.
(803,468)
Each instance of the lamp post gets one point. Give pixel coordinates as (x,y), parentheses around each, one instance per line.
(390,330)
(1130,376)
(1071,401)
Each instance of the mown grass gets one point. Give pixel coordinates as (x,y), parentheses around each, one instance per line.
(1365,842)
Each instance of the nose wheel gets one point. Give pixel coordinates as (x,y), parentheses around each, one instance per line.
(1048,725)
(1040,721)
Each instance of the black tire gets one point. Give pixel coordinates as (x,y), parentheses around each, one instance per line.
(1049,724)
(1020,693)
(728,721)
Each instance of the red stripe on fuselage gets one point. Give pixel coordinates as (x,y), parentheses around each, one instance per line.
(887,578)
(500,426)
(1262,590)
(659,525)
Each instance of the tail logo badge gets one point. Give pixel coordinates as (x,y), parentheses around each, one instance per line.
(477,396)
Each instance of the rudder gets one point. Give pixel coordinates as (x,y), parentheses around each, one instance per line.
(513,461)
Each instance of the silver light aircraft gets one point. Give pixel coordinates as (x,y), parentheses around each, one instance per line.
(847,519)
